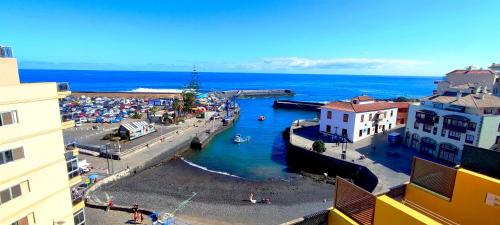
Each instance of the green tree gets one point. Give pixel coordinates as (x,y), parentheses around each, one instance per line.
(178,107)
(136,115)
(319,146)
(188,98)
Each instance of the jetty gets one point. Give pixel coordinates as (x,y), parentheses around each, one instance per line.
(125,94)
(298,105)
(253,93)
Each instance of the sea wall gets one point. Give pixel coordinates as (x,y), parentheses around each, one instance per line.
(306,160)
(298,105)
(254,93)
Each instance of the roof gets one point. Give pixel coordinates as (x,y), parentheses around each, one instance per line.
(350,107)
(363,98)
(467,100)
(135,125)
(466,72)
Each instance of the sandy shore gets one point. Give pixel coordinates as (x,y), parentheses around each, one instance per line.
(218,197)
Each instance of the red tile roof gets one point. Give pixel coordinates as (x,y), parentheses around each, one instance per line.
(464,72)
(363,98)
(350,107)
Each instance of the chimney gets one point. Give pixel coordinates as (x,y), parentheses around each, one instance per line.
(459,95)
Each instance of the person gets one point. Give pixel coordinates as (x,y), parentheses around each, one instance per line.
(136,217)
(110,205)
(251,198)
(142,217)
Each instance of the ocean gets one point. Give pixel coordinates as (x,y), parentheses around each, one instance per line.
(264,156)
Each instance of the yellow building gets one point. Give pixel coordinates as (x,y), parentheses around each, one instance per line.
(436,194)
(36,171)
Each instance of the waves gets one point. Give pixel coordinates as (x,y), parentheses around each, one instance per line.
(208,170)
(157,90)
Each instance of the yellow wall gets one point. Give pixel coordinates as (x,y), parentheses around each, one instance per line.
(335,217)
(38,131)
(391,212)
(467,205)
(8,71)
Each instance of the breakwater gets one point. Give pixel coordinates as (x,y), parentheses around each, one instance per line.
(125,94)
(253,93)
(297,105)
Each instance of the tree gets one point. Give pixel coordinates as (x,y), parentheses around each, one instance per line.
(152,112)
(136,115)
(178,107)
(188,98)
(319,146)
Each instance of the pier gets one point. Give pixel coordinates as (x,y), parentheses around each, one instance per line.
(254,93)
(298,105)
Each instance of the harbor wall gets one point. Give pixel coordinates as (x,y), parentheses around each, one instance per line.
(298,105)
(306,160)
(254,93)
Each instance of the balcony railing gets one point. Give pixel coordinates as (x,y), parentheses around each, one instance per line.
(63,87)
(6,52)
(354,202)
(76,197)
(434,177)
(460,129)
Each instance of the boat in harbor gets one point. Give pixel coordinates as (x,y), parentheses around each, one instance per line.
(239,139)
(262,118)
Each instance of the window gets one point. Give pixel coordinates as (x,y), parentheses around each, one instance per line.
(346,118)
(329,114)
(12,192)
(72,166)
(469,139)
(415,125)
(370,116)
(435,130)
(472,126)
(328,129)
(79,217)
(443,132)
(454,135)
(498,127)
(361,132)
(11,155)
(362,118)
(390,125)
(427,128)
(22,221)
(488,111)
(392,113)
(7,118)
(498,140)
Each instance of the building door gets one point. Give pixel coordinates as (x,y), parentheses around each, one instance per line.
(376,129)
(383,128)
(344,132)
(328,129)
(368,131)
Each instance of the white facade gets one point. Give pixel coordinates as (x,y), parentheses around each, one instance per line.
(470,81)
(436,130)
(359,125)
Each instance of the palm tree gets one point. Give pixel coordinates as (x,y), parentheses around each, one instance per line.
(152,112)
(178,106)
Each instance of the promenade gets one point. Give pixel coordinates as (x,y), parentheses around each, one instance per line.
(391,164)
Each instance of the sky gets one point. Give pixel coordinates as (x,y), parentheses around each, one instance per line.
(411,37)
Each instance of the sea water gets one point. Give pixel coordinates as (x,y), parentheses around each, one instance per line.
(264,156)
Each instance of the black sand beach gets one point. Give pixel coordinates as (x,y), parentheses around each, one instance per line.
(219,197)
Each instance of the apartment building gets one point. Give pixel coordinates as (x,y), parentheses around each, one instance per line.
(357,119)
(440,125)
(37,172)
(470,80)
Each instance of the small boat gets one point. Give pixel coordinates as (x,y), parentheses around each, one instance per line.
(238,139)
(262,118)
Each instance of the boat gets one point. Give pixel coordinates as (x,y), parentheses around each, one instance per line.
(262,118)
(238,139)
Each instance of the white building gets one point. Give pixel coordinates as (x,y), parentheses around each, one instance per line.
(495,67)
(441,124)
(470,80)
(357,119)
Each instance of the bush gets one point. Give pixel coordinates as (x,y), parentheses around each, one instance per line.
(319,146)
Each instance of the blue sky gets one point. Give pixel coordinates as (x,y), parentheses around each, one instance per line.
(419,37)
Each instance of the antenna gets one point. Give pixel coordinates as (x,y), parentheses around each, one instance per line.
(194,84)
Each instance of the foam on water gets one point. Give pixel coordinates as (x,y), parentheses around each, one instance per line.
(206,169)
(156,90)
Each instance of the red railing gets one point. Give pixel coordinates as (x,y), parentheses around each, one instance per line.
(354,202)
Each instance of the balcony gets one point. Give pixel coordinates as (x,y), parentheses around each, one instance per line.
(63,90)
(67,122)
(426,117)
(6,52)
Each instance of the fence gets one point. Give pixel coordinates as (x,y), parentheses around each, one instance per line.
(354,202)
(434,177)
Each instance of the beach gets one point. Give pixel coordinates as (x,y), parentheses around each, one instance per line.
(219,197)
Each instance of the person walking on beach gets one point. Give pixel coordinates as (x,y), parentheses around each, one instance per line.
(136,217)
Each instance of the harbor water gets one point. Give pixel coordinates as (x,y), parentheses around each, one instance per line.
(264,156)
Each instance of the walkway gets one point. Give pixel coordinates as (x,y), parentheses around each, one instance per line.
(391,164)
